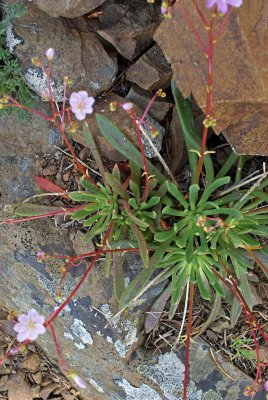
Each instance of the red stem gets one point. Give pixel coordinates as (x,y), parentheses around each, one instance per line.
(190,23)
(239,297)
(223,23)
(56,345)
(200,14)
(209,101)
(188,341)
(29,109)
(74,291)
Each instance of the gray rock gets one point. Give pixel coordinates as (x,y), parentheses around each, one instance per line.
(129,25)
(80,57)
(66,8)
(141,98)
(151,71)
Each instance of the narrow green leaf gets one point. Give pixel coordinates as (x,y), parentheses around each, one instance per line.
(212,188)
(144,251)
(153,316)
(32,210)
(118,276)
(121,143)
(177,194)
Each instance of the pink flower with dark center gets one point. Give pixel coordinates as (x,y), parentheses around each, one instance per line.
(223,5)
(81,104)
(29,326)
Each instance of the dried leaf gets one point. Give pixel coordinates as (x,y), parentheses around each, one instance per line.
(31,363)
(18,388)
(49,186)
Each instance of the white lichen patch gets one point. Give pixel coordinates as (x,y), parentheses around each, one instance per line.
(138,393)
(12,40)
(168,374)
(80,346)
(68,335)
(126,329)
(37,81)
(96,386)
(78,330)
(109,339)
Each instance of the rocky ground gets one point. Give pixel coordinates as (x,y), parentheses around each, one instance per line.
(117,50)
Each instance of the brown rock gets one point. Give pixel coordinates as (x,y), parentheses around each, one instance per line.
(31,363)
(79,246)
(45,392)
(151,71)
(66,8)
(129,25)
(240,71)
(18,388)
(121,119)
(50,170)
(141,98)
(80,57)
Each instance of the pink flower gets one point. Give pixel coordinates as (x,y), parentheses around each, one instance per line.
(29,326)
(266,386)
(81,104)
(77,380)
(222,5)
(127,106)
(50,53)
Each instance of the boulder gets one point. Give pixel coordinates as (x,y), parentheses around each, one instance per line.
(67,8)
(151,71)
(129,25)
(141,98)
(121,119)
(81,57)
(240,79)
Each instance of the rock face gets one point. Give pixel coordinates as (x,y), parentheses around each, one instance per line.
(129,25)
(80,57)
(151,71)
(67,8)
(240,71)
(141,98)
(121,119)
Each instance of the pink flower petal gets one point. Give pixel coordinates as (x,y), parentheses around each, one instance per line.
(235,3)
(74,99)
(222,6)
(23,318)
(33,314)
(39,319)
(89,101)
(40,329)
(80,115)
(19,327)
(83,95)
(21,337)
(211,3)
(32,335)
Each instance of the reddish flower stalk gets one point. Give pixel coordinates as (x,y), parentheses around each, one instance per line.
(240,297)
(57,345)
(188,341)
(209,100)
(250,318)
(75,290)
(200,13)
